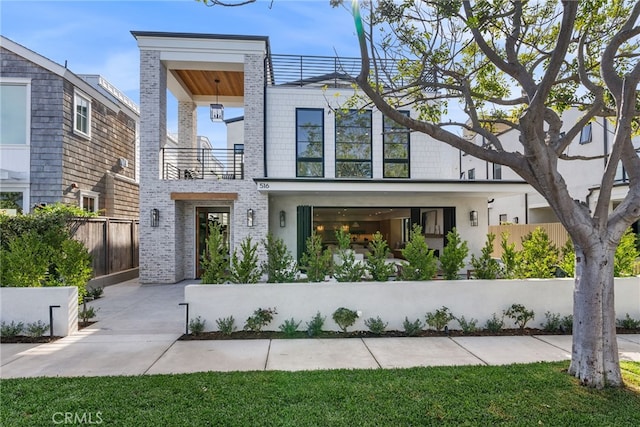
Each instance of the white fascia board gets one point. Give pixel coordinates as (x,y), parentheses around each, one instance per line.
(201,44)
(489,189)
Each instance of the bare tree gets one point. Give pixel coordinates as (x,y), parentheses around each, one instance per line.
(520,64)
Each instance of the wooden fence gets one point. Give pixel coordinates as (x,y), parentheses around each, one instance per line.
(557,234)
(112,242)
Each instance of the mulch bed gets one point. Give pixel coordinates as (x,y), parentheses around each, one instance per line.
(23,339)
(248,335)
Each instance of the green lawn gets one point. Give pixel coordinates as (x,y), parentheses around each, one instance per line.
(534,394)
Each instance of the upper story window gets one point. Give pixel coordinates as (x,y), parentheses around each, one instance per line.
(396,149)
(15,115)
(497,171)
(82,114)
(310,142)
(585,134)
(471,174)
(353,144)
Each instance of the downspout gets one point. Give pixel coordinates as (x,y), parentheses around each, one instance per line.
(264,115)
(526,208)
(605,141)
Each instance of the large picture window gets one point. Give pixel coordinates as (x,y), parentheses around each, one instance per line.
(396,149)
(14,113)
(353,144)
(309,142)
(82,115)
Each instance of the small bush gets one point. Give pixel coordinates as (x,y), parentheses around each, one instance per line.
(485,266)
(568,259)
(467,326)
(12,329)
(509,257)
(347,269)
(87,313)
(95,293)
(226,325)
(36,329)
(566,323)
(439,319)
(261,318)
(626,254)
(196,326)
(244,267)
(539,256)
(553,322)
(376,326)
(215,260)
(314,327)
(344,318)
(628,323)
(520,315)
(376,263)
(290,327)
(280,267)
(453,255)
(315,261)
(421,262)
(412,328)
(494,324)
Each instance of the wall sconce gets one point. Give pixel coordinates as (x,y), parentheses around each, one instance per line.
(155,217)
(249,217)
(473,218)
(320,228)
(283,219)
(216,111)
(516,220)
(345,228)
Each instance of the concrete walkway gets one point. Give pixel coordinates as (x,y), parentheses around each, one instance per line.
(138,327)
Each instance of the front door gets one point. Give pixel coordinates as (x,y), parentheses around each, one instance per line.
(205,217)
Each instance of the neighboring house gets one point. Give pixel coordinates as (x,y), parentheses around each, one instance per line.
(582,177)
(293,163)
(65,137)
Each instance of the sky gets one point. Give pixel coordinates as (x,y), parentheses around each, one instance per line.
(94,37)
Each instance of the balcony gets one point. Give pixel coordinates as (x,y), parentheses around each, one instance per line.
(202,163)
(320,71)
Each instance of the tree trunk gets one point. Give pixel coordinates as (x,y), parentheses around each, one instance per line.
(594,358)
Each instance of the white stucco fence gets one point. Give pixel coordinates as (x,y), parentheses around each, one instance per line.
(392,301)
(30,305)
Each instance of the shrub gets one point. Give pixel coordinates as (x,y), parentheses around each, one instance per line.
(626,255)
(509,257)
(347,269)
(95,293)
(467,326)
(196,326)
(376,263)
(280,267)
(376,326)
(226,325)
(261,318)
(314,327)
(87,313)
(494,324)
(11,329)
(412,328)
(244,269)
(566,323)
(453,255)
(520,315)
(539,256)
(553,322)
(567,262)
(215,261)
(486,267)
(345,318)
(628,323)
(26,261)
(73,266)
(36,329)
(439,319)
(290,327)
(316,261)
(421,262)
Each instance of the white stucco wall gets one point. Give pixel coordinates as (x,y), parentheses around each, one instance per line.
(392,301)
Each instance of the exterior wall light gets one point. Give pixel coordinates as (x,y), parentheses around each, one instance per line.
(250,217)
(155,217)
(473,218)
(283,219)
(216,111)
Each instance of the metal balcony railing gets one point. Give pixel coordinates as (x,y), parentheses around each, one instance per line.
(202,163)
(319,71)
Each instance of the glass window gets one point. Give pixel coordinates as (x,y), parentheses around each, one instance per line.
(82,115)
(497,171)
(89,201)
(471,174)
(310,142)
(14,114)
(585,134)
(396,149)
(353,144)
(11,200)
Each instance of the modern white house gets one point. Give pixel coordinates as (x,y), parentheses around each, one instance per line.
(295,162)
(583,176)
